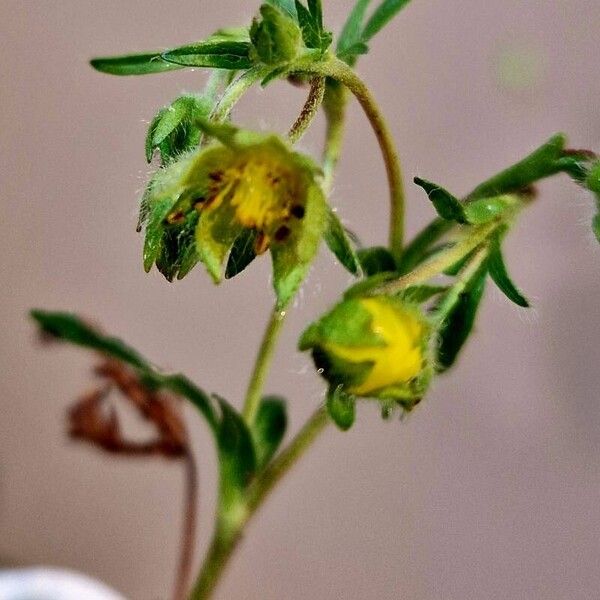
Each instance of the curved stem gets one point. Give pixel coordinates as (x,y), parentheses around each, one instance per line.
(340,71)
(262,363)
(309,110)
(189,528)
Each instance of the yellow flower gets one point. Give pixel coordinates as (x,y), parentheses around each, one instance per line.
(399,360)
(374,347)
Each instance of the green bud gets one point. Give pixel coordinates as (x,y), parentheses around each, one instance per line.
(376,347)
(275,37)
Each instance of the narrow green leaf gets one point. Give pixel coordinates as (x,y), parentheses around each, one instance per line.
(70,328)
(350,54)
(500,275)
(133,64)
(312,27)
(446,205)
(153,241)
(149,145)
(242,253)
(458,324)
(547,160)
(376,260)
(338,242)
(419,248)
(351,33)
(268,428)
(214,53)
(341,407)
(382,15)
(237,460)
(316,10)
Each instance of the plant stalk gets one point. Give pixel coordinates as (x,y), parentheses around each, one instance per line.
(309,110)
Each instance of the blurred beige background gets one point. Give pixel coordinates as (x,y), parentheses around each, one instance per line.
(490,490)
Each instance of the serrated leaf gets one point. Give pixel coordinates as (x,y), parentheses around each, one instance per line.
(70,328)
(458,324)
(311,24)
(351,33)
(341,407)
(216,53)
(376,260)
(144,63)
(500,276)
(382,15)
(268,428)
(237,460)
(242,253)
(447,206)
(338,242)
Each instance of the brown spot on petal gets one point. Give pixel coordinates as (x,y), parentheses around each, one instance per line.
(282,234)
(298,211)
(261,245)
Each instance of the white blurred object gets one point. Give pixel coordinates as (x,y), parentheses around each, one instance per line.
(40,583)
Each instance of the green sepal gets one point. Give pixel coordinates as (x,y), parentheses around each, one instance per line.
(377,259)
(499,274)
(447,206)
(218,52)
(242,253)
(70,328)
(237,459)
(347,324)
(341,407)
(484,210)
(339,243)
(268,428)
(458,323)
(153,240)
(276,37)
(144,63)
(175,129)
(178,253)
(292,258)
(215,235)
(311,23)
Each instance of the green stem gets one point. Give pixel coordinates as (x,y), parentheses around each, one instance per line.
(225,541)
(334,105)
(267,480)
(309,110)
(442,261)
(262,363)
(340,71)
(235,90)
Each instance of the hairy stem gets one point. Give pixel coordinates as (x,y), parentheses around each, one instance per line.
(235,90)
(340,71)
(474,236)
(189,528)
(224,543)
(309,110)
(334,105)
(262,364)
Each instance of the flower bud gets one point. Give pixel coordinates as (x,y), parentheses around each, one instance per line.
(276,38)
(376,347)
